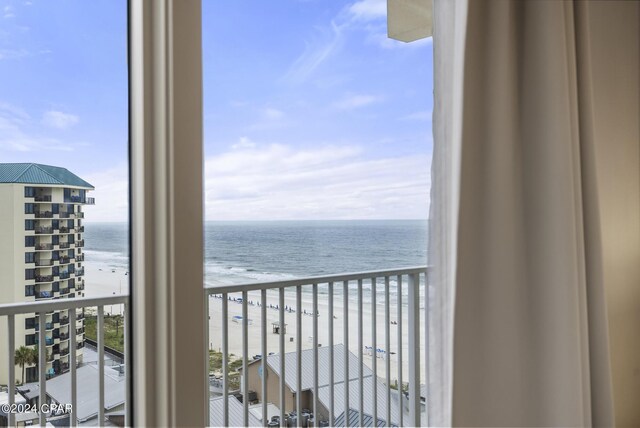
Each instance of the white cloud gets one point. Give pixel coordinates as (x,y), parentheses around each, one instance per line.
(8,12)
(13,53)
(422,115)
(355,101)
(328,41)
(367,10)
(59,120)
(17,135)
(243,143)
(111,194)
(277,182)
(273,114)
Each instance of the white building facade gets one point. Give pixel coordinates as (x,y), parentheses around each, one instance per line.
(41,258)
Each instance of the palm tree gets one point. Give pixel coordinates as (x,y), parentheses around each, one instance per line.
(34,354)
(23,356)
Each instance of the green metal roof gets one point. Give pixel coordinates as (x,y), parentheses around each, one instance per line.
(33,173)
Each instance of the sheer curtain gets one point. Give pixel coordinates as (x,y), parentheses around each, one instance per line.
(519,333)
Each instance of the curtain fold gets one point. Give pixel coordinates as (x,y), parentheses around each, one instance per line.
(518,310)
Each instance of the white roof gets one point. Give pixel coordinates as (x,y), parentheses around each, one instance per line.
(354,398)
(236,415)
(59,388)
(291,369)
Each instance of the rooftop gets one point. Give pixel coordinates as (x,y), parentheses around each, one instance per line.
(33,173)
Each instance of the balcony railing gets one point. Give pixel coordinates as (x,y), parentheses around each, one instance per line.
(13,310)
(43,214)
(330,376)
(44,294)
(79,215)
(44,262)
(91,201)
(44,247)
(63,245)
(64,229)
(80,229)
(44,278)
(80,272)
(43,198)
(43,230)
(365,363)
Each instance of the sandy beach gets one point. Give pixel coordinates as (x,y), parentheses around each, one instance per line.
(105,280)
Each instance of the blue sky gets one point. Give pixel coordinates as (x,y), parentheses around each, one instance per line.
(310,111)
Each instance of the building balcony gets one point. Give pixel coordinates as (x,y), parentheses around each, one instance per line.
(91,201)
(43,294)
(79,257)
(43,278)
(64,291)
(64,229)
(80,229)
(44,262)
(43,230)
(43,214)
(65,275)
(79,215)
(64,245)
(44,247)
(64,260)
(42,198)
(65,215)
(80,272)
(64,321)
(80,244)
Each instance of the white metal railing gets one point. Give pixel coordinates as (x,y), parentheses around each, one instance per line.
(40,309)
(412,277)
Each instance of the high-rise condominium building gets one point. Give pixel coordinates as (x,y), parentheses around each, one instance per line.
(41,257)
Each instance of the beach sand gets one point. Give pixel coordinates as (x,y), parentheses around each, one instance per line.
(104,280)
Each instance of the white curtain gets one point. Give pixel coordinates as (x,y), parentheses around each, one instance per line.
(519,327)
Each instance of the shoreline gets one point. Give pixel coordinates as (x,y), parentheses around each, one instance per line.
(104,280)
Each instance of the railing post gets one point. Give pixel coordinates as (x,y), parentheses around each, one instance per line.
(42,366)
(12,367)
(71,314)
(100,341)
(414,349)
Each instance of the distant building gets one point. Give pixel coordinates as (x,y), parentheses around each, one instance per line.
(273,385)
(41,257)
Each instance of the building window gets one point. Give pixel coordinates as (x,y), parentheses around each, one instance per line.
(29,323)
(29,224)
(29,192)
(29,241)
(31,373)
(55,209)
(29,208)
(29,257)
(55,239)
(55,287)
(30,339)
(29,274)
(70,224)
(29,290)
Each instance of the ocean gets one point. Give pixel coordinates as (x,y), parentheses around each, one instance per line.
(240,252)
